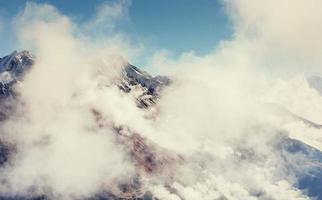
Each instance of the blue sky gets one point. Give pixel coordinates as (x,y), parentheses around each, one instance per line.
(175,25)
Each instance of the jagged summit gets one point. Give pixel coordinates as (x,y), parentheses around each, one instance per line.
(145,79)
(144,87)
(17,62)
(12,68)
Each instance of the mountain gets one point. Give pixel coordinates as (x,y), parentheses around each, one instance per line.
(12,68)
(149,158)
(145,154)
(150,86)
(16,63)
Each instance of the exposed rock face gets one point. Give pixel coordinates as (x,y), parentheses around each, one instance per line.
(12,69)
(145,87)
(16,63)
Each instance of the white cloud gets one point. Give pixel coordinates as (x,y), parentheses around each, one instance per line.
(219,109)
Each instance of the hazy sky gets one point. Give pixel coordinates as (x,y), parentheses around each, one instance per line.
(166,24)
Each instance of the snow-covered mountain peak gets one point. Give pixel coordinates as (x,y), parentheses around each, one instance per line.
(16,62)
(143,78)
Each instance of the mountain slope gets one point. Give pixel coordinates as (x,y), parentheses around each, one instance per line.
(149,159)
(144,88)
